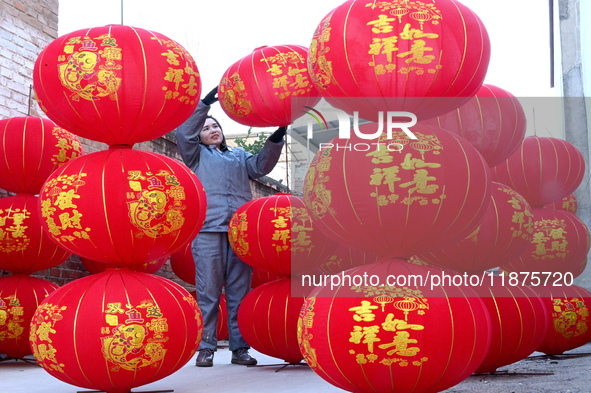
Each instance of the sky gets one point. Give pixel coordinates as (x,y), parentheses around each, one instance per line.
(219,33)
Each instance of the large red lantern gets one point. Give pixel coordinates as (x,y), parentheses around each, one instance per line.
(398,196)
(493,122)
(569,326)
(116,84)
(543,170)
(123,206)
(505,232)
(260,233)
(518,319)
(183,264)
(560,244)
(151,267)
(400,337)
(116,330)
(32,148)
(268,320)
(25,247)
(20,295)
(259,89)
(400,55)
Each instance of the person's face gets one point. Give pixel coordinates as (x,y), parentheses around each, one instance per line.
(211,134)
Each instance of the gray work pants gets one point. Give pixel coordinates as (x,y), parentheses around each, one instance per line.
(217,265)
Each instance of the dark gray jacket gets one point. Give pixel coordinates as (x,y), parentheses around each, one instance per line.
(224,174)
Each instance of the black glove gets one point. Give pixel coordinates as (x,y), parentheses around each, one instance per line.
(278,135)
(210,98)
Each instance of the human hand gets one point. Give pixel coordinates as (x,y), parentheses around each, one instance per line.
(211,97)
(278,135)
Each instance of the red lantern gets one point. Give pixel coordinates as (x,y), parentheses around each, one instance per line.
(568,317)
(258,90)
(116,330)
(403,197)
(400,337)
(568,204)
(260,233)
(504,234)
(560,245)
(309,245)
(32,148)
(20,295)
(400,55)
(518,319)
(268,320)
(543,170)
(123,206)
(183,264)
(24,246)
(493,122)
(117,84)
(151,267)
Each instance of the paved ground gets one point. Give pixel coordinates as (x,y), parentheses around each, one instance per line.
(565,374)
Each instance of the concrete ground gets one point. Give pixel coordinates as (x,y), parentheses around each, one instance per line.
(569,373)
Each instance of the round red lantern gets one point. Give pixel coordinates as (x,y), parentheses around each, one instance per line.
(151,267)
(400,55)
(505,232)
(543,170)
(398,196)
(560,244)
(32,148)
(568,317)
(518,320)
(261,89)
(116,330)
(309,245)
(260,233)
(400,337)
(123,206)
(568,204)
(24,246)
(493,121)
(183,264)
(20,295)
(116,84)
(268,320)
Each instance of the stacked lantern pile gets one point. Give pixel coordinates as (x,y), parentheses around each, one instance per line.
(31,149)
(118,85)
(546,171)
(396,205)
(430,192)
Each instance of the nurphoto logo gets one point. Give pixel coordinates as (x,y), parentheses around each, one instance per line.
(399,120)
